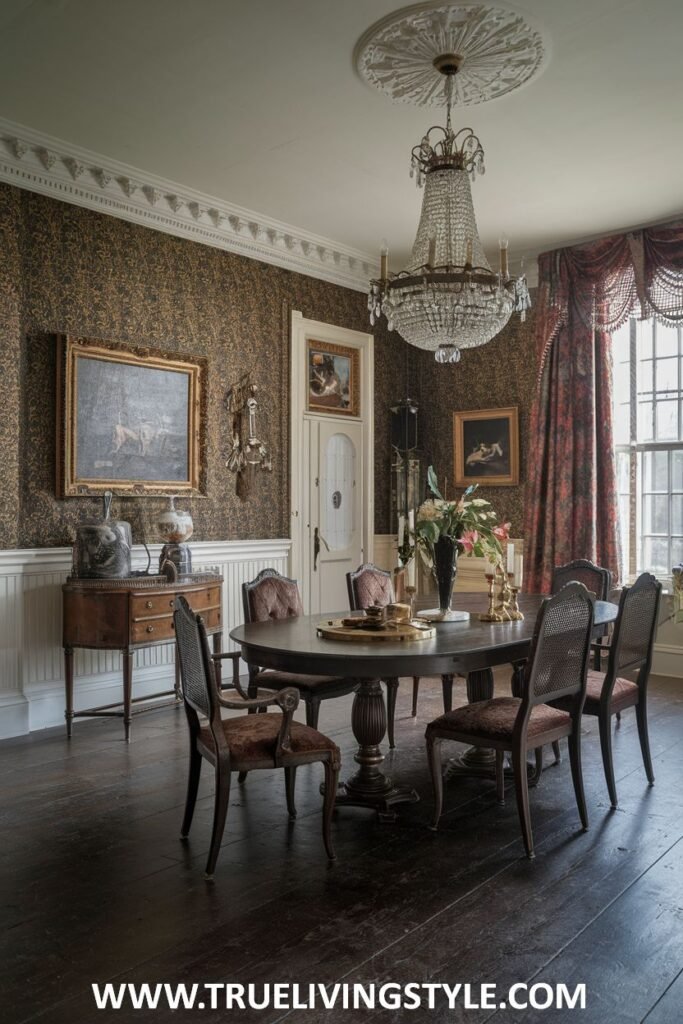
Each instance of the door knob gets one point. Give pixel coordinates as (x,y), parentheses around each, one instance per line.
(317,538)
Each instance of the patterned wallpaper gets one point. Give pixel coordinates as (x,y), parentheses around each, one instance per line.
(67,269)
(64,269)
(500,374)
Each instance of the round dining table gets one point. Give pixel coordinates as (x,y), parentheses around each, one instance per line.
(470,648)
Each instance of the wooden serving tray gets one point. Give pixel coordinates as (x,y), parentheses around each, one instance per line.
(333,629)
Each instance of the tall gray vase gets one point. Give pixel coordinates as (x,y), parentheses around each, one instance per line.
(445,569)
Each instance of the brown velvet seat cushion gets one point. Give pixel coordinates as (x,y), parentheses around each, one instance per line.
(252,740)
(496,718)
(624,691)
(275,680)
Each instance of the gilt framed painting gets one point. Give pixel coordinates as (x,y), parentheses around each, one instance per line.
(129,420)
(333,384)
(486,447)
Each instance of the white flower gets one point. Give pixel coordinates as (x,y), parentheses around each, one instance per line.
(428,510)
(480,501)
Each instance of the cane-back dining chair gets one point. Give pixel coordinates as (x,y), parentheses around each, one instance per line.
(245,743)
(608,693)
(368,586)
(273,596)
(556,668)
(595,579)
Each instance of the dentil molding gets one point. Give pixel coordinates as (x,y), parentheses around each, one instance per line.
(44,164)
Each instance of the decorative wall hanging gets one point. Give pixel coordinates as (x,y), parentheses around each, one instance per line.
(128,420)
(448,298)
(486,447)
(333,378)
(248,453)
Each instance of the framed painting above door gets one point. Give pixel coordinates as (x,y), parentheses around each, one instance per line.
(331,459)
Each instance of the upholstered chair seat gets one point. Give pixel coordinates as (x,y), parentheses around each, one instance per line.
(624,693)
(495,719)
(252,740)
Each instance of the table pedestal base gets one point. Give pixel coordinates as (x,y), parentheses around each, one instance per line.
(369,786)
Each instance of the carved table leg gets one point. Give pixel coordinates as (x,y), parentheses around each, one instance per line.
(127,691)
(69,689)
(369,787)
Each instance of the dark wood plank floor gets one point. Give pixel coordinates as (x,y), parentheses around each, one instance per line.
(97,887)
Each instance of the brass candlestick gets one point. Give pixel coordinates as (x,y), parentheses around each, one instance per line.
(502,606)
(491,615)
(410,593)
(515,613)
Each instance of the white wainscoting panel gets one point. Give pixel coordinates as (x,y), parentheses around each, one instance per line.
(31,659)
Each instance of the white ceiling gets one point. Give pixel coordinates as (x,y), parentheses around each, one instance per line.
(258,103)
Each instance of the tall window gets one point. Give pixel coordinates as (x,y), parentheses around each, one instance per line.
(648,435)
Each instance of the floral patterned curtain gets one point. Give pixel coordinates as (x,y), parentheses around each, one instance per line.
(585,292)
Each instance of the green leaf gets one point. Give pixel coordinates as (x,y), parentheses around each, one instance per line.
(432,483)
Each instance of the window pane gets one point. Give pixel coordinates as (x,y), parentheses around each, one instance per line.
(656,513)
(622,473)
(622,424)
(667,374)
(644,336)
(676,551)
(621,381)
(655,556)
(667,421)
(645,376)
(644,421)
(667,340)
(677,471)
(655,471)
(677,513)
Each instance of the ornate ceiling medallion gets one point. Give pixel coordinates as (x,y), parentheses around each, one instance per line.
(497,49)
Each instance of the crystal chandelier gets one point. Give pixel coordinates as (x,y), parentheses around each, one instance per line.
(448,298)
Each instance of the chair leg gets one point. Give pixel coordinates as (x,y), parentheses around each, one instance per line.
(557,752)
(312,712)
(641,719)
(574,743)
(416,689)
(331,779)
(434,758)
(522,792)
(447,690)
(538,755)
(605,722)
(192,788)
(220,813)
(392,691)
(242,776)
(618,718)
(290,783)
(500,777)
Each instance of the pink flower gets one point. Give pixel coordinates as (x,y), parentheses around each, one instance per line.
(468,540)
(502,532)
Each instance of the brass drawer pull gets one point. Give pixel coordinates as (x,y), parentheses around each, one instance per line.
(150,629)
(150,604)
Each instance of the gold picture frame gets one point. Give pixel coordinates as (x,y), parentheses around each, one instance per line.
(486,447)
(332,378)
(132,421)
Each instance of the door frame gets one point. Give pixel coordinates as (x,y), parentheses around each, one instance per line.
(301,330)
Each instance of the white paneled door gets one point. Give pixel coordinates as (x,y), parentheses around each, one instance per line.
(335,504)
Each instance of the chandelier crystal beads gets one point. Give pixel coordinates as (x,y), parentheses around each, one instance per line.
(448,298)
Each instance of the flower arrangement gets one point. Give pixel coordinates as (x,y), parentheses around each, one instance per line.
(468,521)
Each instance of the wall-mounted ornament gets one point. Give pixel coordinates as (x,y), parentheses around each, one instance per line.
(247,453)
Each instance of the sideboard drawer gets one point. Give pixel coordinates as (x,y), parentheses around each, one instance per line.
(152,630)
(143,606)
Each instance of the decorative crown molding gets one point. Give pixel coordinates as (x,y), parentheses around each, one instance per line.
(52,167)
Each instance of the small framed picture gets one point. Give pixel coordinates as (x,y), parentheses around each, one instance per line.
(486,447)
(333,378)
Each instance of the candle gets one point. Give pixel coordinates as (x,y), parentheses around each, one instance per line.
(503,243)
(431,259)
(401,529)
(384,260)
(411,520)
(468,259)
(511,558)
(410,572)
(519,570)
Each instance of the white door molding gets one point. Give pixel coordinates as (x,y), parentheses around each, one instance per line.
(302,330)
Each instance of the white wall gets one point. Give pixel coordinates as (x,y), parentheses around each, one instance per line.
(31,660)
